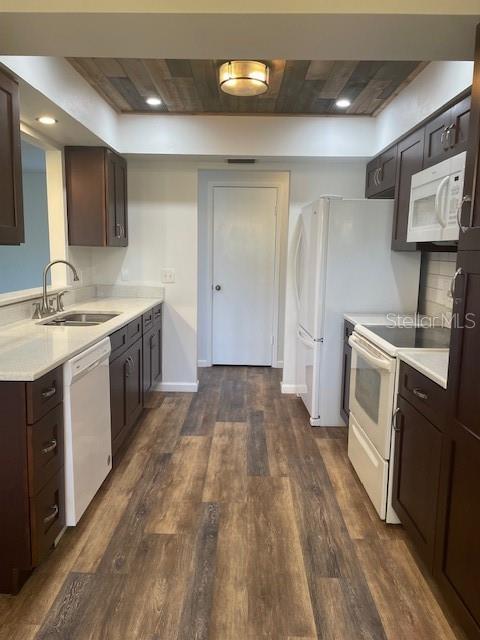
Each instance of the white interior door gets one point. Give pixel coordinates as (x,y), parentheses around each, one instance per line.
(244,227)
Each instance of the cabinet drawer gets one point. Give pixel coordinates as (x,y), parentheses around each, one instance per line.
(47,516)
(45,449)
(134,330)
(424,394)
(44,394)
(147,320)
(119,343)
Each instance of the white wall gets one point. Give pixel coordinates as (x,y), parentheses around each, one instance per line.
(438,83)
(257,136)
(162,233)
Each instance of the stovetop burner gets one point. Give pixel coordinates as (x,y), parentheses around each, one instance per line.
(414,337)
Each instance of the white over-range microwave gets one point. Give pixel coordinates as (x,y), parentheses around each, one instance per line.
(435,199)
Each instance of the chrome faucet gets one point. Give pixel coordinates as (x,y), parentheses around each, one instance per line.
(45,309)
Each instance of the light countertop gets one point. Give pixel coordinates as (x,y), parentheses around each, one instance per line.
(391,318)
(28,349)
(433,363)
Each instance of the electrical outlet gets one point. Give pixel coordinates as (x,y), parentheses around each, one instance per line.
(168,276)
(124,274)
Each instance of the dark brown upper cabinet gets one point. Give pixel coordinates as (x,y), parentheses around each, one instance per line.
(96,183)
(470,211)
(446,135)
(457,564)
(11,200)
(409,162)
(381,172)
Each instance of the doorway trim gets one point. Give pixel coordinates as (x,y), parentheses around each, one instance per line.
(252,179)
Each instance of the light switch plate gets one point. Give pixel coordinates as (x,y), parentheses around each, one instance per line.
(168,276)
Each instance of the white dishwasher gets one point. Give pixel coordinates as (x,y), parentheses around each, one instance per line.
(88,442)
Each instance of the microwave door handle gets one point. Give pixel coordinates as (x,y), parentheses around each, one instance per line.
(439,205)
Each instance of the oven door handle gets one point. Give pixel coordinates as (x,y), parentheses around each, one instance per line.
(369,355)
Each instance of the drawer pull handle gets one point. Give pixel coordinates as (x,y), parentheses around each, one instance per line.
(52,515)
(48,393)
(420,394)
(394,420)
(50,446)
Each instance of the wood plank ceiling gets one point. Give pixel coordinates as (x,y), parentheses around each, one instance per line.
(297,87)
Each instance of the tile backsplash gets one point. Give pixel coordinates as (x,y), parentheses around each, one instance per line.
(436,276)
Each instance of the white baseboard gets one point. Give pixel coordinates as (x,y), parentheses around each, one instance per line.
(288,388)
(204,363)
(185,387)
(278,364)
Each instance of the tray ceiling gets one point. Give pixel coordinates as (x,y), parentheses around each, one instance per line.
(297,87)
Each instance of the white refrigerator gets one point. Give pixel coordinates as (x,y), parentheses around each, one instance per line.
(343,263)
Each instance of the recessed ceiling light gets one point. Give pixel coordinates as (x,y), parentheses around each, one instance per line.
(47,120)
(153,101)
(343,103)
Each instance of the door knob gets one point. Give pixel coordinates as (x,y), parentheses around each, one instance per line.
(217,287)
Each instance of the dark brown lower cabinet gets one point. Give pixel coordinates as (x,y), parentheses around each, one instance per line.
(418,448)
(152,356)
(126,393)
(457,563)
(31,476)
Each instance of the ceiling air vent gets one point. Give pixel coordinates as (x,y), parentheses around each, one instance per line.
(241,160)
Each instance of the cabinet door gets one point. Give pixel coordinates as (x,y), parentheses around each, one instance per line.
(381,175)
(409,161)
(11,202)
(418,447)
(470,212)
(387,171)
(371,185)
(157,354)
(134,383)
(459,127)
(458,551)
(118,397)
(117,225)
(148,361)
(436,139)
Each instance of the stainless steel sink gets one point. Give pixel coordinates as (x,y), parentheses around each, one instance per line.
(79,319)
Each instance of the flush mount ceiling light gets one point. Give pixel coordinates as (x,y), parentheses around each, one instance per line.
(243,77)
(46,120)
(343,103)
(153,101)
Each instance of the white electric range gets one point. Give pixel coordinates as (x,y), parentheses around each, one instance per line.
(373,389)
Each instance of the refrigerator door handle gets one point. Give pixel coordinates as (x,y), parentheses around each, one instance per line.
(295,267)
(306,340)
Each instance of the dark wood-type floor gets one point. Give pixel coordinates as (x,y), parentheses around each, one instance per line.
(229,517)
